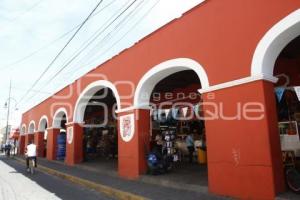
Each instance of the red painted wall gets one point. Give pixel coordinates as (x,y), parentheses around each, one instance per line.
(52,143)
(220,35)
(132,154)
(74,151)
(244,151)
(28,138)
(22,144)
(39,142)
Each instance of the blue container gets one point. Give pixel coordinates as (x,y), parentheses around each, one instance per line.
(61,146)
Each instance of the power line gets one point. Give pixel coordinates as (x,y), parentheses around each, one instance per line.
(50,43)
(74,57)
(132,27)
(60,52)
(116,29)
(123,36)
(98,32)
(85,46)
(37,91)
(109,35)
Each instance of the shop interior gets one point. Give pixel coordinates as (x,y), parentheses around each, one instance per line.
(45,140)
(175,115)
(287,69)
(100,140)
(62,140)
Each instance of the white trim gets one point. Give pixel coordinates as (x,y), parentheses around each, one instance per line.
(162,70)
(44,117)
(31,122)
(57,112)
(90,90)
(270,46)
(239,82)
(131,108)
(23,126)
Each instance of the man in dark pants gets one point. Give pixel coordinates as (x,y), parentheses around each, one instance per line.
(30,154)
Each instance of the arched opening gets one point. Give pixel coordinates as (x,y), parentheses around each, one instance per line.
(277,54)
(287,90)
(59,122)
(95,108)
(170,91)
(23,129)
(43,125)
(31,127)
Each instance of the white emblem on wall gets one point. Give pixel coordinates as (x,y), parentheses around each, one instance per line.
(70,135)
(127,127)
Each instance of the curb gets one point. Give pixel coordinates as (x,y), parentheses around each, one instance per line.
(109,191)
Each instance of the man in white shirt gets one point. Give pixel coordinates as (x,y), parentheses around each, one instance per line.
(30,153)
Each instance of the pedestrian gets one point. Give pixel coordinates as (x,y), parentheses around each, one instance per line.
(7,149)
(30,154)
(190,146)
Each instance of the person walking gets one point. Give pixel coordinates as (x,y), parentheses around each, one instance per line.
(30,154)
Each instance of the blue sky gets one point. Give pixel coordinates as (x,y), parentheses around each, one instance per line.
(28,27)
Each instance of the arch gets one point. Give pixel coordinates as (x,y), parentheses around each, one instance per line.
(42,123)
(88,93)
(273,42)
(23,129)
(58,116)
(31,127)
(162,70)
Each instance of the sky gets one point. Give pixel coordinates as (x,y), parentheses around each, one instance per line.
(32,32)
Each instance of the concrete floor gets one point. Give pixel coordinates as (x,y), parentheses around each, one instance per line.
(184,175)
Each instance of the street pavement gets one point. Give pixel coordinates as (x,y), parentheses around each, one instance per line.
(17,184)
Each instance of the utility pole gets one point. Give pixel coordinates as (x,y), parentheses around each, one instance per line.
(8,110)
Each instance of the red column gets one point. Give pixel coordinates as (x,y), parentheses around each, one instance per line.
(29,137)
(39,142)
(244,156)
(52,143)
(74,151)
(21,150)
(132,154)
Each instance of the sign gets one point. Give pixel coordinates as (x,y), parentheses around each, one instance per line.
(70,135)
(127,127)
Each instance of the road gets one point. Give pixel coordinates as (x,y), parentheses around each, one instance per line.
(17,184)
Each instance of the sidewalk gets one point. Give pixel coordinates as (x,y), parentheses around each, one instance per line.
(116,187)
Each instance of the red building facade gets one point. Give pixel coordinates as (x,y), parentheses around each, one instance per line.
(232,46)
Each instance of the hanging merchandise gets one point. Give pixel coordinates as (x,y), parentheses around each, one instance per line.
(175,113)
(45,134)
(155,115)
(184,111)
(279,93)
(196,108)
(297,90)
(167,111)
(160,114)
